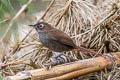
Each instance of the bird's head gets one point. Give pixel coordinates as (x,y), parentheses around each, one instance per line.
(41,26)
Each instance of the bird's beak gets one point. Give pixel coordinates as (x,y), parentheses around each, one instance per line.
(32,25)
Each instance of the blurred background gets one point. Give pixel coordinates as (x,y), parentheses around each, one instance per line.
(8,8)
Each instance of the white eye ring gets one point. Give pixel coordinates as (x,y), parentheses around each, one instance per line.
(41,26)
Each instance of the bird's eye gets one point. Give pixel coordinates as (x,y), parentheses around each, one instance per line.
(41,26)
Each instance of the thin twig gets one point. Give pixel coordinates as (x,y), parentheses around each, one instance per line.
(4,21)
(13,63)
(48,8)
(18,45)
(64,11)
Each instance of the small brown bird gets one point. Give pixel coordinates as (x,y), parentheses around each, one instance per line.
(55,39)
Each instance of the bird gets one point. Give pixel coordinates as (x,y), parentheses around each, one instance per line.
(56,40)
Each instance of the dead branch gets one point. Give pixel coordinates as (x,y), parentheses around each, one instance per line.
(70,70)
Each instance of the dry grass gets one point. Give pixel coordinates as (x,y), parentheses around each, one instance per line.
(93,25)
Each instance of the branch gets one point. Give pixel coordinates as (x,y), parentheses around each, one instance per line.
(69,70)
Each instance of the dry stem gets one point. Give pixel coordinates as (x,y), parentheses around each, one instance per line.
(71,70)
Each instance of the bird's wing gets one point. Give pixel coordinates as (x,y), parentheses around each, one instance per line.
(61,37)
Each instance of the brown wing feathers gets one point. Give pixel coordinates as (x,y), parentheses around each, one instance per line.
(62,38)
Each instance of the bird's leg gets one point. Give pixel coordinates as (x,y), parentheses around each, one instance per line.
(56,56)
(54,60)
(60,58)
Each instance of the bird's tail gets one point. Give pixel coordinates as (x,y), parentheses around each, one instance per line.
(85,50)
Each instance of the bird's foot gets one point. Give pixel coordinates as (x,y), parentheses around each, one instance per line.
(56,60)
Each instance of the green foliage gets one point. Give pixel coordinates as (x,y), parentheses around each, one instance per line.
(31,7)
(1,78)
(8,10)
(5,7)
(2,28)
(22,1)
